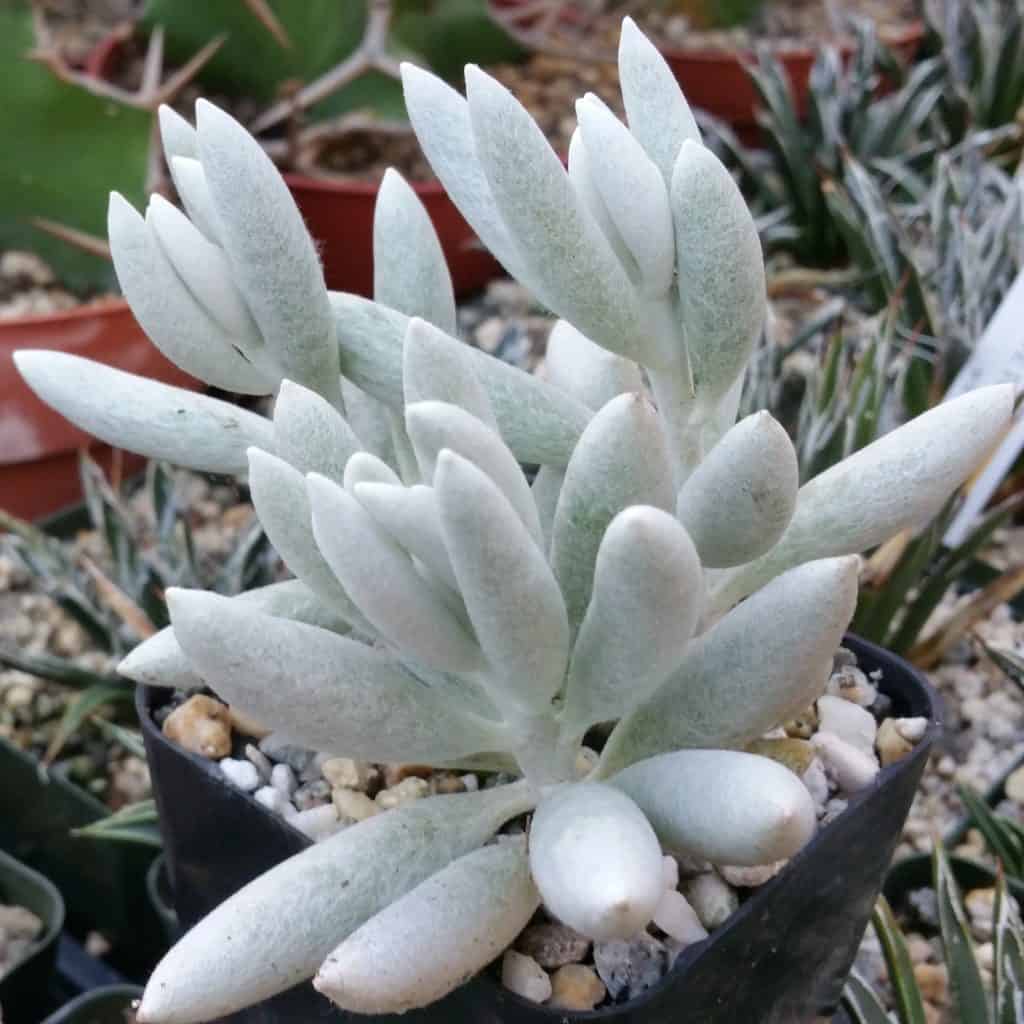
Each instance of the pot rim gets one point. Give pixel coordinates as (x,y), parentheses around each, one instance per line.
(104,306)
(927,697)
(11,866)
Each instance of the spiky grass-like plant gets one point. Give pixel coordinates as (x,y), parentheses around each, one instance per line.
(446,611)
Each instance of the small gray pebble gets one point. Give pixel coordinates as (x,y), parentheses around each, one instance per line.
(313,770)
(312,794)
(297,758)
(283,778)
(631,966)
(263,763)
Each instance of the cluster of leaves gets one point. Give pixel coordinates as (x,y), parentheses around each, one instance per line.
(120,602)
(972,1003)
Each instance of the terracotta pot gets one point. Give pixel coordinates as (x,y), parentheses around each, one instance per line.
(339,215)
(38,447)
(716,80)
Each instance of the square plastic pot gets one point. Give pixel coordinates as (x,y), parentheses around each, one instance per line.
(24,989)
(782,958)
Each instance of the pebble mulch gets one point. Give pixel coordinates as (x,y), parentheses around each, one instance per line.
(19,930)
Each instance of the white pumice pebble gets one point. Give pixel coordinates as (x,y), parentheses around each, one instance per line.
(283,778)
(242,774)
(816,781)
(524,976)
(318,822)
(274,800)
(912,729)
(670,872)
(677,918)
(851,768)
(713,899)
(848,721)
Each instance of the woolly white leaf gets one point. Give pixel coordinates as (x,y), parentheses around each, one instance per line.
(656,109)
(304,906)
(764,663)
(274,260)
(321,690)
(586,371)
(144,416)
(899,481)
(621,460)
(410,516)
(370,420)
(206,273)
(440,119)
(177,136)
(431,940)
(279,496)
(405,457)
(384,583)
(434,426)
(169,313)
(647,595)
(738,502)
(538,422)
(511,596)
(560,242)
(634,193)
(596,860)
(366,468)
(409,269)
(433,369)
(731,808)
(194,192)
(160,661)
(546,487)
(722,300)
(311,434)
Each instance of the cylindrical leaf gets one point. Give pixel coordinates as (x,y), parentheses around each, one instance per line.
(596,860)
(144,416)
(588,372)
(384,583)
(311,434)
(648,590)
(431,940)
(722,805)
(366,468)
(194,192)
(511,596)
(276,931)
(738,502)
(765,662)
(409,271)
(177,136)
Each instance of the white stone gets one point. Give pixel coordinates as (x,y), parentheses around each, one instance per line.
(242,774)
(850,683)
(405,792)
(851,768)
(524,976)
(471,782)
(849,721)
(912,729)
(750,877)
(317,822)
(670,872)
(274,800)
(816,782)
(346,772)
(350,803)
(712,898)
(282,778)
(675,917)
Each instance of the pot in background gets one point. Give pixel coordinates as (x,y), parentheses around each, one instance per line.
(783,957)
(108,1005)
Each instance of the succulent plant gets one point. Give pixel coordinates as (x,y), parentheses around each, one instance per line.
(447,612)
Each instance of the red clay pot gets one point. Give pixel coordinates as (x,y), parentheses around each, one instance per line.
(38,447)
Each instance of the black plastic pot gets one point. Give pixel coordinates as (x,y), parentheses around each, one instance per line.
(161,898)
(100,1006)
(781,959)
(913,873)
(103,883)
(993,796)
(23,989)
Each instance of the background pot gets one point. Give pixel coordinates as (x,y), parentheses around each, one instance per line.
(103,884)
(101,1006)
(38,447)
(783,956)
(23,990)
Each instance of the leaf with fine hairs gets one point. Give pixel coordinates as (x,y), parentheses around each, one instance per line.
(656,110)
(302,908)
(762,664)
(169,313)
(622,459)
(433,369)
(739,500)
(568,259)
(724,806)
(434,426)
(310,434)
(647,596)
(634,194)
(898,481)
(282,506)
(511,596)
(538,422)
(177,136)
(596,860)
(380,576)
(275,262)
(145,416)
(586,371)
(160,661)
(428,942)
(546,487)
(409,270)
(364,468)
(190,181)
(722,299)
(320,690)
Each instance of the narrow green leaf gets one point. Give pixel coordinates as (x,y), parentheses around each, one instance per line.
(862,1004)
(81,708)
(907,995)
(1008,985)
(135,823)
